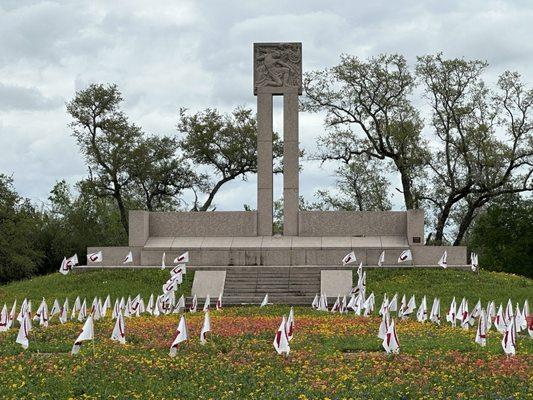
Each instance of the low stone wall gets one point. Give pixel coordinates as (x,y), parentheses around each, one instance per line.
(209,223)
(352,223)
(115,255)
(430,255)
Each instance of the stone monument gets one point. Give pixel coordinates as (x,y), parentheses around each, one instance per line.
(277,72)
(236,251)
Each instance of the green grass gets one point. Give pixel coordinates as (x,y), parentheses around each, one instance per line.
(445,284)
(91,283)
(332,356)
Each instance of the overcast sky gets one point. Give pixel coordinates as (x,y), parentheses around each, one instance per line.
(198,54)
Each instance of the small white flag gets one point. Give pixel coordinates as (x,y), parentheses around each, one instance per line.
(128,259)
(443,260)
(22,337)
(95,257)
(194,305)
(508,340)
(290,325)
(87,333)
(281,342)
(64,268)
(391,343)
(119,331)
(205,328)
(381,258)
(163,266)
(180,336)
(481,333)
(349,258)
(265,301)
(207,303)
(219,302)
(474,262)
(182,259)
(405,256)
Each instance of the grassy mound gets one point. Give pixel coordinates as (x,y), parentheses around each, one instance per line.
(332,356)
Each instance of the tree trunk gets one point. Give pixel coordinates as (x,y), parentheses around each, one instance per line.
(122,209)
(214,191)
(441,222)
(410,203)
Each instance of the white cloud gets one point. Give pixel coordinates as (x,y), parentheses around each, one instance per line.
(173,54)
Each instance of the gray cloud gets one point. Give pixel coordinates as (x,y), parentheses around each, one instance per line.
(21,98)
(199,54)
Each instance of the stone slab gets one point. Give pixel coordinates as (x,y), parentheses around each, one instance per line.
(336,242)
(366,242)
(208,283)
(217,242)
(352,223)
(275,242)
(394,241)
(336,282)
(139,222)
(187,242)
(208,223)
(159,243)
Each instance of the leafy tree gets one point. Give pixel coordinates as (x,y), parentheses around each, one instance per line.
(483,139)
(75,220)
(369,113)
(107,140)
(160,176)
(503,236)
(19,224)
(124,163)
(361,186)
(226,145)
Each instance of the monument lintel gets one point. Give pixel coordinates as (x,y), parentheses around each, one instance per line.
(278,68)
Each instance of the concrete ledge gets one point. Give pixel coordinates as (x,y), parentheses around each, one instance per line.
(208,283)
(115,255)
(336,282)
(428,255)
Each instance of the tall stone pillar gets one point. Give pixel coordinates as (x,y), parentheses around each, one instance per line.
(264,164)
(277,72)
(290,164)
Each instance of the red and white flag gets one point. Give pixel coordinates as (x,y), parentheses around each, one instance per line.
(194,305)
(481,333)
(406,255)
(63,315)
(290,325)
(4,319)
(181,335)
(219,302)
(391,343)
(64,268)
(119,331)
(206,327)
(87,333)
(474,262)
(207,304)
(95,257)
(22,337)
(349,258)
(182,259)
(281,342)
(384,326)
(315,302)
(452,313)
(509,339)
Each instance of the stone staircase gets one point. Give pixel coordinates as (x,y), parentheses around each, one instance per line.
(284,285)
